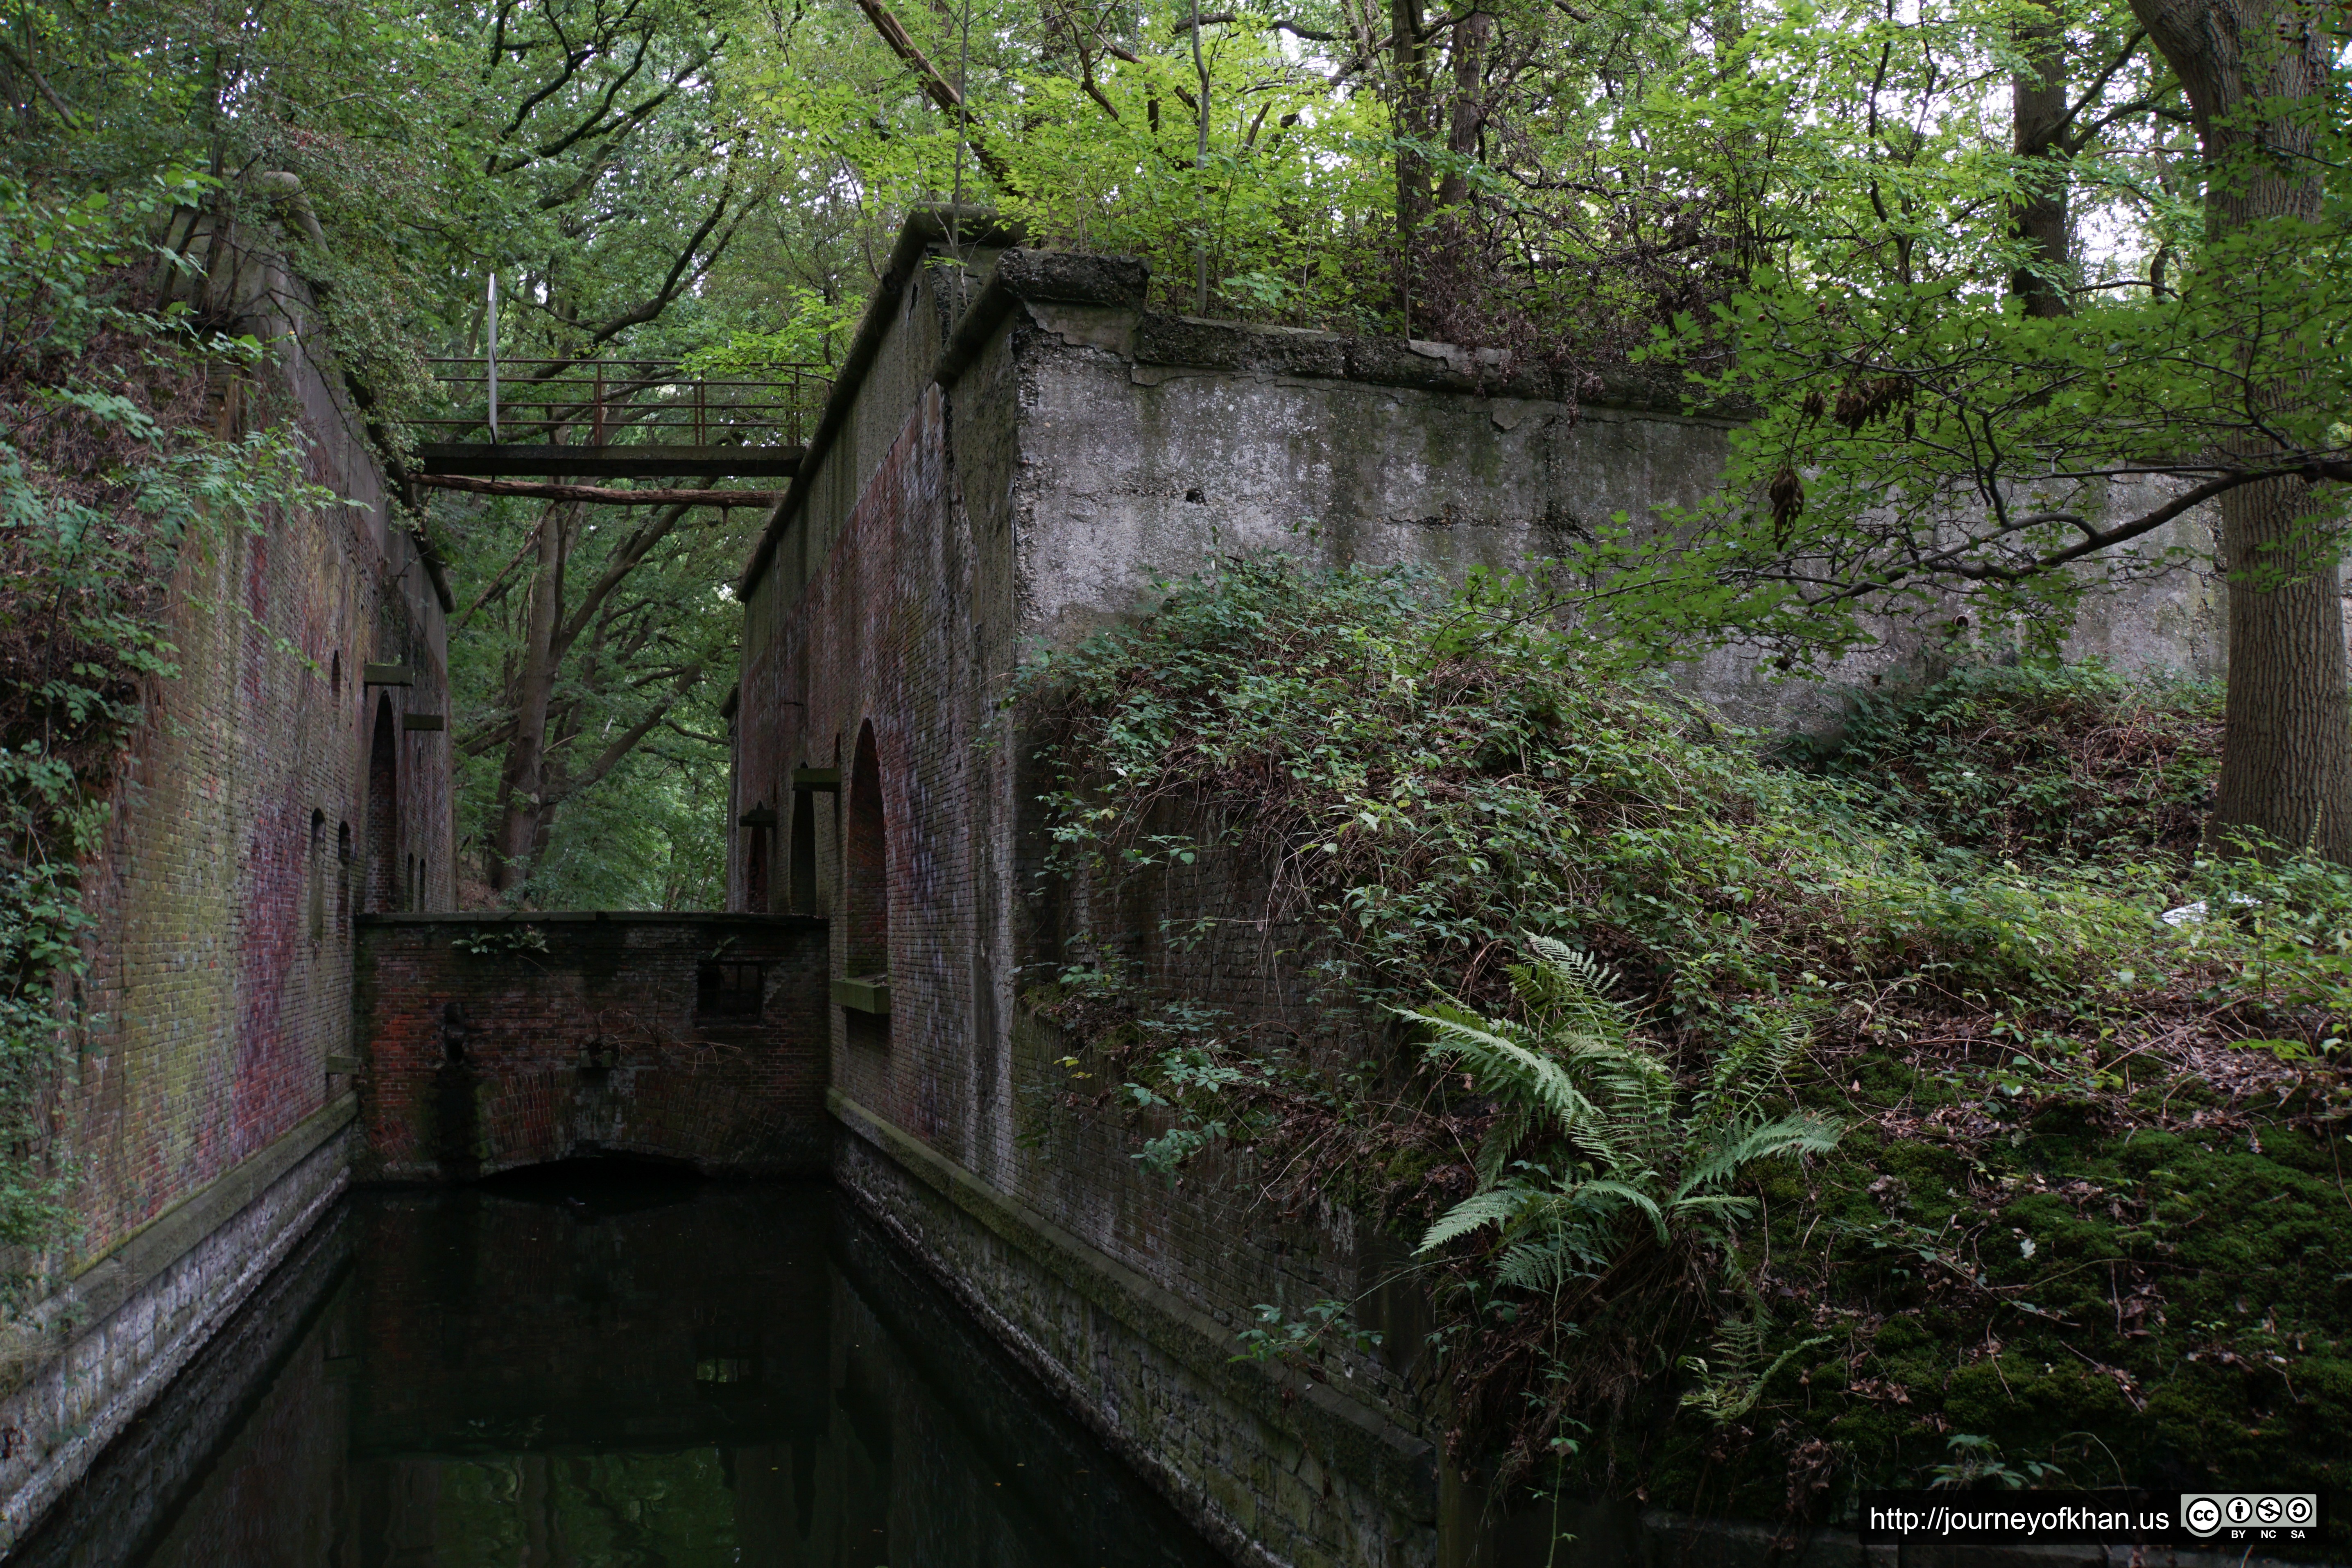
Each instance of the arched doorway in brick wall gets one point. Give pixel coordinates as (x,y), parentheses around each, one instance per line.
(383,889)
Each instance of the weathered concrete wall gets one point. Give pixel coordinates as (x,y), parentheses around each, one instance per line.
(1014,457)
(218,994)
(894,607)
(1151,445)
(1147,446)
(493,1041)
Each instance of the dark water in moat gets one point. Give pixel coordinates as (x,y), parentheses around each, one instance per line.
(591,1368)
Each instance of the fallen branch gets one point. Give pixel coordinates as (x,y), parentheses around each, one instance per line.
(941,91)
(599,494)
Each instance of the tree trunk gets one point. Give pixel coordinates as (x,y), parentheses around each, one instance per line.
(519,782)
(2287,760)
(2037,97)
(2287,754)
(1466,122)
(1409,114)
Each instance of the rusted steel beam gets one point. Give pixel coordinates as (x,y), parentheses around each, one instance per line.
(632,462)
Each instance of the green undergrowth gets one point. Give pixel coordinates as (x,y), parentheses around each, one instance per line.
(2038,762)
(2046,1300)
(2067,1202)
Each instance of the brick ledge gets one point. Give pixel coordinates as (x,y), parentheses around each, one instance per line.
(101,1285)
(1401,1468)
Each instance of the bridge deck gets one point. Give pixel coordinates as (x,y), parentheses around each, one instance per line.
(484,459)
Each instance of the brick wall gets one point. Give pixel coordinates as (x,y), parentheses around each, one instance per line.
(920,563)
(221,962)
(219,983)
(494,1041)
(127,1509)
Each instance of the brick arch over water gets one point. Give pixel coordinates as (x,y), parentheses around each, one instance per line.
(491,1042)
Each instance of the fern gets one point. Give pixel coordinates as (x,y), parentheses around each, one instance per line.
(1636,1158)
(1729,1386)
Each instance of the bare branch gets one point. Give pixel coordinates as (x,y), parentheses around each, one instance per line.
(625,742)
(24,63)
(1216,18)
(648,310)
(1951,563)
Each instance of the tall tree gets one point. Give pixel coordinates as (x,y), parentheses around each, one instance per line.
(2257,74)
(2037,94)
(602,632)
(1942,416)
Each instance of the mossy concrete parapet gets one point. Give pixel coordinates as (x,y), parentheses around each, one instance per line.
(1274,1467)
(86,1360)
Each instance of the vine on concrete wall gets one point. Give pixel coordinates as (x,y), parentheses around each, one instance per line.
(111,466)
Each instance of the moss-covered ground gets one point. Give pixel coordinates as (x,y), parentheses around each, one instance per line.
(2008,1283)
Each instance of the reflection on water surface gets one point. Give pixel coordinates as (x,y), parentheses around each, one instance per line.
(591,1367)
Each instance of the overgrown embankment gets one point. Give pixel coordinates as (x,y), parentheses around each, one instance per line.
(1905,1139)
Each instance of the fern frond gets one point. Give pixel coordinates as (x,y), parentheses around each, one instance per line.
(1639,1081)
(1569,990)
(1513,1072)
(1741,1340)
(1551,1261)
(1749,1068)
(1804,1133)
(1722,1208)
(1502,1140)
(1499,1206)
(1626,1192)
(1725,1399)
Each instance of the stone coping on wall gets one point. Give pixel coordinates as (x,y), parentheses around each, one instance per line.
(1399,1468)
(1103,298)
(103,1284)
(1098,300)
(142,1478)
(587,917)
(158,1297)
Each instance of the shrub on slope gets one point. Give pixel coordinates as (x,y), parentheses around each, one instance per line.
(2081,1214)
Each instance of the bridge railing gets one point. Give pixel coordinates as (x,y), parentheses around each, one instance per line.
(634,402)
